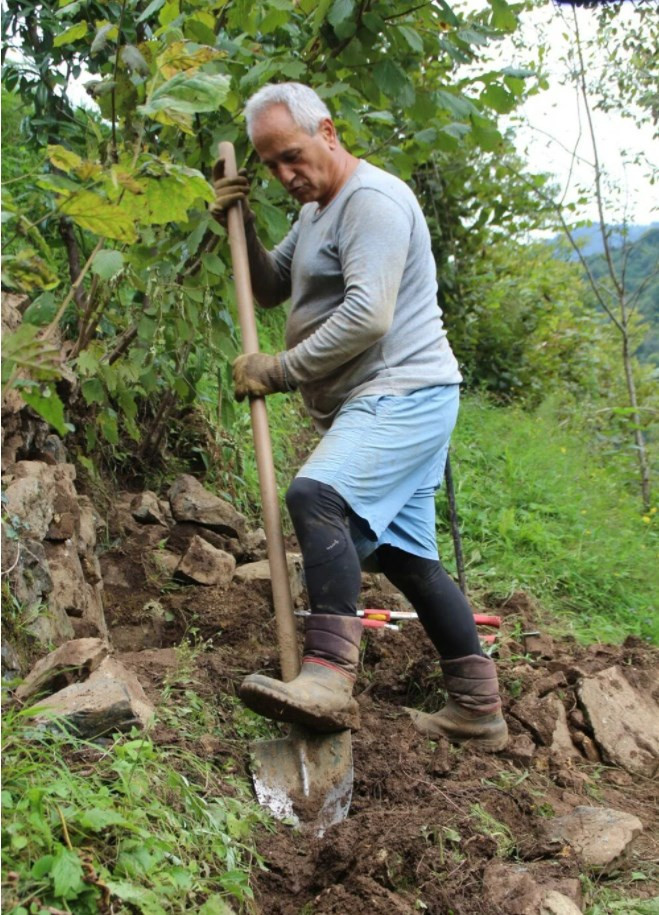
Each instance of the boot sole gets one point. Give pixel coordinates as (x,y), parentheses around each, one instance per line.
(272,704)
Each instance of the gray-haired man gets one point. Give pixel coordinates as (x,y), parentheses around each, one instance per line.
(366,347)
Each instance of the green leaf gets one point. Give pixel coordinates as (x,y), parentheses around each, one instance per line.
(92,212)
(42,310)
(67,874)
(46,402)
(485,135)
(42,866)
(97,819)
(74,33)
(133,59)
(93,391)
(502,16)
(105,32)
(498,98)
(146,900)
(412,37)
(393,82)
(64,159)
(107,420)
(152,8)
(214,264)
(107,263)
(175,101)
(340,12)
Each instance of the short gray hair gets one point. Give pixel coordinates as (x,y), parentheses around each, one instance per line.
(306,108)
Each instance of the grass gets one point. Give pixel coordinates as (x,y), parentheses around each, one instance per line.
(127,823)
(541,511)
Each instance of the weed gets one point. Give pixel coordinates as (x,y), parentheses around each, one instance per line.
(541,510)
(149,827)
(488,825)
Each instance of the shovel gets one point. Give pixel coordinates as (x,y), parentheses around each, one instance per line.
(304,778)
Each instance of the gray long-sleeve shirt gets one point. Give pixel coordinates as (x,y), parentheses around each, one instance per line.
(364,318)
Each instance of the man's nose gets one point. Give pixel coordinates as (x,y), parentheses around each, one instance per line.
(285,174)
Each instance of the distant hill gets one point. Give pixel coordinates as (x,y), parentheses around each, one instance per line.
(589,238)
(642,262)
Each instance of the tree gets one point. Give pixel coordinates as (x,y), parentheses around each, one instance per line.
(612,72)
(147,307)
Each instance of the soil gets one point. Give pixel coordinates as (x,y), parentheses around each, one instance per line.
(427,819)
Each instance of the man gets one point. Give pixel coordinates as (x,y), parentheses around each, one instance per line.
(366,348)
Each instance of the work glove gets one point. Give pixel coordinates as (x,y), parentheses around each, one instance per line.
(229,191)
(258,374)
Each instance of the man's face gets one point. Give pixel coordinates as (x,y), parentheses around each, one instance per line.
(304,164)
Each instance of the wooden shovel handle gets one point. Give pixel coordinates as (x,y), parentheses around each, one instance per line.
(281,589)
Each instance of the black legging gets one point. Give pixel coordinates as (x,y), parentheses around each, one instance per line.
(333,573)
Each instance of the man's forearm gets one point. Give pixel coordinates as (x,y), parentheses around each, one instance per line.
(269,287)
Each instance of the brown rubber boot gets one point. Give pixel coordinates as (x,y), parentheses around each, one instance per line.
(320,697)
(473,710)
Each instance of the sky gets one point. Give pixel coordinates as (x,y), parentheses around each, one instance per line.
(551,126)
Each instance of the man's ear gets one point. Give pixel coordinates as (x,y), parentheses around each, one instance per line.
(328,132)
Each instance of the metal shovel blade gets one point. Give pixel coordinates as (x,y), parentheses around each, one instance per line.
(305,778)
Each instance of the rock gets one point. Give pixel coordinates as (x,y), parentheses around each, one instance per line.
(546,718)
(555,903)
(88,526)
(114,571)
(538,645)
(510,888)
(39,495)
(111,699)
(599,836)
(165,562)
(52,450)
(260,572)
(146,509)
(551,682)
(71,593)
(191,502)
(255,545)
(11,663)
(587,746)
(561,741)
(205,564)
(625,722)
(520,749)
(72,661)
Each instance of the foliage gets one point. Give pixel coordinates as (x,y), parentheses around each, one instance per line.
(541,511)
(122,197)
(152,829)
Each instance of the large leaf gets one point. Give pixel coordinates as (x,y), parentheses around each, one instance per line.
(74,33)
(107,263)
(46,402)
(182,96)
(64,159)
(92,212)
(168,198)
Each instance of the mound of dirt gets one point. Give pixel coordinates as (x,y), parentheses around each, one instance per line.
(432,828)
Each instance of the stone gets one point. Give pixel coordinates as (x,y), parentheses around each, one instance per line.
(137,636)
(260,572)
(74,660)
(545,717)
(110,699)
(510,888)
(555,903)
(191,502)
(520,749)
(11,663)
(551,682)
(538,645)
(599,836)
(205,564)
(145,508)
(587,746)
(625,721)
(39,495)
(165,562)
(255,544)
(71,593)
(114,571)
(88,526)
